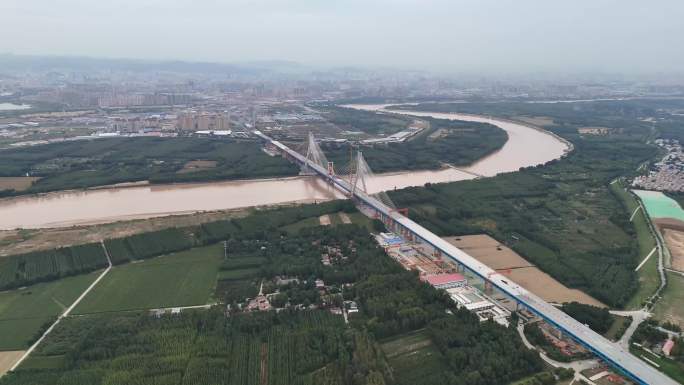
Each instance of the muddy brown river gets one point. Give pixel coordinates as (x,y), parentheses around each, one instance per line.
(526,146)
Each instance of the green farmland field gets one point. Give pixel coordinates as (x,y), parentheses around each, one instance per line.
(180,279)
(414,357)
(22,312)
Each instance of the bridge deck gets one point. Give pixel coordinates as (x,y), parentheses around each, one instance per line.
(638,370)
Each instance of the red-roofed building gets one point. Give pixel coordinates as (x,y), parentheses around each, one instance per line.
(667,347)
(446,281)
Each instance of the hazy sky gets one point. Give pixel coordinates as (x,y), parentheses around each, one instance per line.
(447,35)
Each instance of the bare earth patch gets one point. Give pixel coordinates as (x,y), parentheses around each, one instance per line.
(594,130)
(345,218)
(673,233)
(18,183)
(499,257)
(484,249)
(24,241)
(669,223)
(7,360)
(197,165)
(675,243)
(324,220)
(536,120)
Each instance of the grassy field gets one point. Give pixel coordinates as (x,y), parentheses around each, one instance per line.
(24,311)
(304,223)
(238,274)
(361,220)
(179,279)
(648,274)
(335,219)
(413,357)
(671,305)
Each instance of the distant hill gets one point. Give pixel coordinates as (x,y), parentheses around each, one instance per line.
(11,62)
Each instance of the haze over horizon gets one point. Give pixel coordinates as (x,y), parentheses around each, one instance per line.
(449,36)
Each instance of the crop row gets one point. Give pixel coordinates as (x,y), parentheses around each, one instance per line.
(147,245)
(40,266)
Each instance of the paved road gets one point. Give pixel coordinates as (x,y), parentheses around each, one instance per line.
(670,332)
(619,357)
(577,366)
(638,316)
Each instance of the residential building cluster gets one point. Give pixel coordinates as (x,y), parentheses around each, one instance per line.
(194,120)
(668,173)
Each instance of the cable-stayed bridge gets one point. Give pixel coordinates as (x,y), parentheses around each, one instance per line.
(354,186)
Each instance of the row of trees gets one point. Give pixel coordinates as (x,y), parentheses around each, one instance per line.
(598,319)
(205,348)
(41,266)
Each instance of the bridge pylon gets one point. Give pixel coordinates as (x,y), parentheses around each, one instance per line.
(314,156)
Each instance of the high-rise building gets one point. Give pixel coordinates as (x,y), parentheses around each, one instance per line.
(194,121)
(205,121)
(186,121)
(223,121)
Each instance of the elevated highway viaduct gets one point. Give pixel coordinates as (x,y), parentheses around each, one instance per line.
(638,370)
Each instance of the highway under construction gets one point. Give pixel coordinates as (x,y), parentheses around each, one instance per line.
(354,187)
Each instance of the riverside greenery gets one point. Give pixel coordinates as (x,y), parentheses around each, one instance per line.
(561,216)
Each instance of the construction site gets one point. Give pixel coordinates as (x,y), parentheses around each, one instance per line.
(465,289)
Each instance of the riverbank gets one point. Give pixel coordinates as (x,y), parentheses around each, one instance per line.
(111,205)
(28,240)
(527,145)
(68,208)
(570,148)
